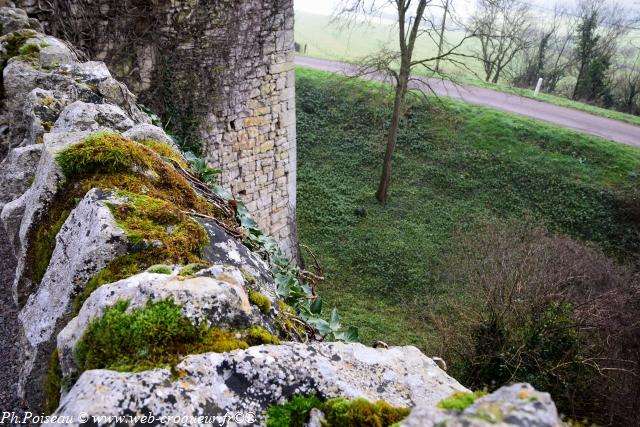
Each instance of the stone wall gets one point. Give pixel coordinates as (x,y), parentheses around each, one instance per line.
(221,70)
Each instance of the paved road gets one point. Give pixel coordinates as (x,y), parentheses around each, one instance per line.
(565,117)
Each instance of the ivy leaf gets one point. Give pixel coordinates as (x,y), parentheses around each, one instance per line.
(321,325)
(316,306)
(283,285)
(335,320)
(350,335)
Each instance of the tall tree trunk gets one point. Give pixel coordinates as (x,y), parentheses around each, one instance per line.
(392,138)
(442,29)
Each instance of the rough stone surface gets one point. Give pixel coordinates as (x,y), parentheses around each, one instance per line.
(227,64)
(222,302)
(9,350)
(17,171)
(212,384)
(145,132)
(60,80)
(515,405)
(227,250)
(88,241)
(16,19)
(82,116)
(20,215)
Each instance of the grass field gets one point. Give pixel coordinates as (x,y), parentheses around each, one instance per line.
(328,41)
(456,167)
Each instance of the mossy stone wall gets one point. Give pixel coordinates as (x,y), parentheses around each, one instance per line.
(219,73)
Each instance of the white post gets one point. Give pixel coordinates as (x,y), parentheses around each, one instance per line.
(538,87)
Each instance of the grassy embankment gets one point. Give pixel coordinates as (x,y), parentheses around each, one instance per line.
(456,167)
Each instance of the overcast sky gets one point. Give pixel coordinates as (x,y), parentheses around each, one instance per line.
(325,7)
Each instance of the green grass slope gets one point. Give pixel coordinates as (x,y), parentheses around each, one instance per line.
(456,167)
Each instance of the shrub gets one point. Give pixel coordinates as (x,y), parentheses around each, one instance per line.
(520,304)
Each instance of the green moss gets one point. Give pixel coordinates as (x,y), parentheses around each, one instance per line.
(13,43)
(48,101)
(166,151)
(157,334)
(459,401)
(106,153)
(31,51)
(160,269)
(260,301)
(257,335)
(294,413)
(111,162)
(53,383)
(147,220)
(360,412)
(248,277)
(192,269)
(338,412)
(47,126)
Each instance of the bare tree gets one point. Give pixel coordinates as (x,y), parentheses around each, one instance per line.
(627,83)
(413,21)
(547,54)
(503,29)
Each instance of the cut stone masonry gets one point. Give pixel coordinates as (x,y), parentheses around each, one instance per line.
(225,65)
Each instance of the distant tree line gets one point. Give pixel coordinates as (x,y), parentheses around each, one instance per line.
(584,51)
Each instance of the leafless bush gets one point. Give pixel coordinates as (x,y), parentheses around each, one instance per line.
(520,304)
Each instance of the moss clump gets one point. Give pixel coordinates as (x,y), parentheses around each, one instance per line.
(338,413)
(257,335)
(294,413)
(111,162)
(360,412)
(107,153)
(260,301)
(191,269)
(42,240)
(30,51)
(53,384)
(248,277)
(160,269)
(160,232)
(13,44)
(160,227)
(166,151)
(459,401)
(157,334)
